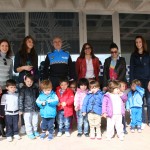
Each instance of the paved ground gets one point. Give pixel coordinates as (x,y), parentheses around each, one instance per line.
(132,141)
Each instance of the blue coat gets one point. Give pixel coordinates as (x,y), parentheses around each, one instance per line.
(136,99)
(93,103)
(51,101)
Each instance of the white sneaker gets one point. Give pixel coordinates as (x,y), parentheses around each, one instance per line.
(99,137)
(143,126)
(67,134)
(9,139)
(22,130)
(17,137)
(59,134)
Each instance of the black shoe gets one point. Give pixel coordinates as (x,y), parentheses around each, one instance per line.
(125,132)
(86,134)
(79,134)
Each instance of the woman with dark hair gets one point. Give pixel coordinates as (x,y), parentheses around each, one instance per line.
(114,67)
(26,62)
(140,69)
(87,64)
(6,70)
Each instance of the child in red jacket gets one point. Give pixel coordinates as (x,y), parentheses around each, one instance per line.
(65,107)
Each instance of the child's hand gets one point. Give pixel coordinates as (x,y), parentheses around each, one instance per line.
(83,114)
(20,113)
(128,110)
(104,115)
(76,108)
(44,103)
(59,104)
(63,104)
(48,100)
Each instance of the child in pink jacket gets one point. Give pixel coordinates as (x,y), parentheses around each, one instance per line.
(78,102)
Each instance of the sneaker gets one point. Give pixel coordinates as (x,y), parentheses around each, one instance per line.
(139,130)
(98,137)
(17,137)
(92,137)
(50,137)
(86,135)
(59,134)
(22,130)
(9,139)
(125,132)
(31,136)
(121,138)
(143,126)
(79,134)
(36,134)
(132,130)
(67,134)
(43,135)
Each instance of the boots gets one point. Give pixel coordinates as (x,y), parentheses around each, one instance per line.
(2,132)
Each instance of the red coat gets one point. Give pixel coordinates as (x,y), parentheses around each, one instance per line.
(68,97)
(81,67)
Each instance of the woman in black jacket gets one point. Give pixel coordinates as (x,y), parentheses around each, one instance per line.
(114,67)
(140,69)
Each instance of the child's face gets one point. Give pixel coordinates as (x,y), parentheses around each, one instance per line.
(83,87)
(116,91)
(122,87)
(133,86)
(47,91)
(28,82)
(11,88)
(94,89)
(64,85)
(73,87)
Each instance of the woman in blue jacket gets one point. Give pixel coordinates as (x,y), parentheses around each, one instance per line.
(140,69)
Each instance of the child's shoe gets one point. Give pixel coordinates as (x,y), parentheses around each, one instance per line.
(67,134)
(125,132)
(17,137)
(31,136)
(43,135)
(36,134)
(79,134)
(132,130)
(22,130)
(59,134)
(143,126)
(50,137)
(86,135)
(9,139)
(92,136)
(98,137)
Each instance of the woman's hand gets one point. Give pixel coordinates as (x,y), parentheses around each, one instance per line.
(28,68)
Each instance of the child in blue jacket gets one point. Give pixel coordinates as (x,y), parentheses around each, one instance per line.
(47,102)
(134,103)
(92,106)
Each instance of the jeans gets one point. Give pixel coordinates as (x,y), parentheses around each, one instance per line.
(136,117)
(82,120)
(147,96)
(48,124)
(12,125)
(63,122)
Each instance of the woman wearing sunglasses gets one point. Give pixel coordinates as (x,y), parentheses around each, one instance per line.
(6,63)
(114,67)
(87,64)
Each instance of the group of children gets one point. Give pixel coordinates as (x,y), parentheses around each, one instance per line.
(88,103)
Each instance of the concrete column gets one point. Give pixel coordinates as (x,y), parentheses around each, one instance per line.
(26,23)
(116,30)
(82,29)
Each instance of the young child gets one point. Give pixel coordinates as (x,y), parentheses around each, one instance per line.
(82,90)
(10,100)
(92,106)
(113,109)
(47,102)
(65,106)
(134,104)
(73,85)
(27,106)
(123,93)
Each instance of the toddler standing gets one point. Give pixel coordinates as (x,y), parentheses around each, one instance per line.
(78,102)
(47,102)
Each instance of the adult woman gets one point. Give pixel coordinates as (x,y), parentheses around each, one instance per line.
(59,62)
(6,65)
(87,64)
(114,67)
(26,62)
(140,69)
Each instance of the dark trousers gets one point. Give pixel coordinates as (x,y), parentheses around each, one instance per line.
(12,125)
(48,125)
(124,123)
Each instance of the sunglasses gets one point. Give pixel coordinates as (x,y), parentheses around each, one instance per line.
(114,52)
(5,62)
(87,48)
